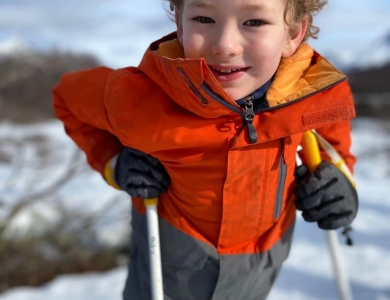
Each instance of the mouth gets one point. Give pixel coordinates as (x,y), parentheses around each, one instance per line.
(229,73)
(227,70)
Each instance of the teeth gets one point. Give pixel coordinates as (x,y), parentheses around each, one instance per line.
(226,71)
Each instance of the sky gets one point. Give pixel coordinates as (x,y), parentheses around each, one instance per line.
(118,31)
(306,275)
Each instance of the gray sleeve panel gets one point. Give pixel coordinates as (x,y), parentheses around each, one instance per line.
(193,270)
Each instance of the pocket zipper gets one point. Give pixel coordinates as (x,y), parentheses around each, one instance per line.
(281,181)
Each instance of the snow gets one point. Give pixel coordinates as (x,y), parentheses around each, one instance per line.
(31,174)
(13,45)
(306,275)
(94,286)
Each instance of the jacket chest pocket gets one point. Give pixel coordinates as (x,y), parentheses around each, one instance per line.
(281,178)
(277,182)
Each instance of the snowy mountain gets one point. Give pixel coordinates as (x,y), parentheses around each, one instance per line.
(373,54)
(14,46)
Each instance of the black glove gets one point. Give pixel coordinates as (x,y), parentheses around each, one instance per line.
(140,175)
(326,196)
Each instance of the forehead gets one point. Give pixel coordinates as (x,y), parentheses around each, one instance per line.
(250,5)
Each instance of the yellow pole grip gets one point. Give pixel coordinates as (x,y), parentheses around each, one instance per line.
(151,201)
(311,151)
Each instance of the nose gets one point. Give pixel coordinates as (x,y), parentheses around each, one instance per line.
(227,41)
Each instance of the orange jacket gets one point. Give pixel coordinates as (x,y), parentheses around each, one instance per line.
(225,190)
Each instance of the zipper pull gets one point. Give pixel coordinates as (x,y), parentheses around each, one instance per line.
(249,116)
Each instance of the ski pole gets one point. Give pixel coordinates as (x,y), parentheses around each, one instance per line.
(154,249)
(335,157)
(311,152)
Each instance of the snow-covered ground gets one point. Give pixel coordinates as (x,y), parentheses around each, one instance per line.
(39,156)
(307,274)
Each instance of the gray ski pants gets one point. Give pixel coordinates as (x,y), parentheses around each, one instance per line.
(193,270)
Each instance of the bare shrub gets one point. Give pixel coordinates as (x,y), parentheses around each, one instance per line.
(371,91)
(63,249)
(26,82)
(58,238)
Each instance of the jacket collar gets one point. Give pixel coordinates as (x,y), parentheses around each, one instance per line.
(298,76)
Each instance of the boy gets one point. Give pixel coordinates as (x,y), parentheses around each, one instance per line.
(210,122)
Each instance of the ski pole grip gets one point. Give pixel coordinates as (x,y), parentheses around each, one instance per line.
(311,151)
(151,201)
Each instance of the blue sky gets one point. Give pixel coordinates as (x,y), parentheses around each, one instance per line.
(118,31)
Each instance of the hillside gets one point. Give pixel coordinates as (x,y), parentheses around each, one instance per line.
(370,80)
(26,81)
(371,89)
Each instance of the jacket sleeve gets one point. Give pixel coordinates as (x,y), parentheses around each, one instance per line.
(79,102)
(339,136)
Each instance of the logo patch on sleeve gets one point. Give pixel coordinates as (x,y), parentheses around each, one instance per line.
(327,116)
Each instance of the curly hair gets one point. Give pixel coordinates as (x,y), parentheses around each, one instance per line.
(294,12)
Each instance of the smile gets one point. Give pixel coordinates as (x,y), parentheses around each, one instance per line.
(228,74)
(226,71)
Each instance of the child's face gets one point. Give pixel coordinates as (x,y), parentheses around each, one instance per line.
(242,41)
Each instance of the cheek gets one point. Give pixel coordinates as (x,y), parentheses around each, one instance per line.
(193,45)
(266,56)
(268,49)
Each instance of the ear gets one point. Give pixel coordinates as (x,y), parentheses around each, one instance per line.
(179,27)
(294,39)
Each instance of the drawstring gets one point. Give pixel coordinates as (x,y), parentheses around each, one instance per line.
(347,233)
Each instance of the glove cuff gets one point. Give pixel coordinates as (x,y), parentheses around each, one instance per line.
(109,172)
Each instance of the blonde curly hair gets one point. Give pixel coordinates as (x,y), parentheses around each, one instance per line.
(294,12)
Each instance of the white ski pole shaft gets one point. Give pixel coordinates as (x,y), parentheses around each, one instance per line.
(343,285)
(313,159)
(154,249)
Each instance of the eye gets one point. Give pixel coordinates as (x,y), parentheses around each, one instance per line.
(256,23)
(205,20)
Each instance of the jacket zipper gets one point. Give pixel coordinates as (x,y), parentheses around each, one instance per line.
(281,181)
(247,115)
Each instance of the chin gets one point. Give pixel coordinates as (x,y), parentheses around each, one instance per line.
(236,95)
